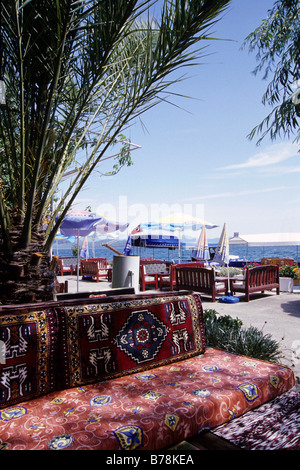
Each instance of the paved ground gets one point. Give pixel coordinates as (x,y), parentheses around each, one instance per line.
(277,315)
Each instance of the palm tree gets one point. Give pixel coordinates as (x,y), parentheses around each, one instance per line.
(77,73)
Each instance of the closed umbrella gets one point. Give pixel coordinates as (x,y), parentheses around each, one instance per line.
(202,250)
(222,251)
(128,247)
(222,257)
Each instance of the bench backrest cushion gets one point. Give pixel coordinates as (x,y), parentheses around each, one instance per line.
(68,261)
(29,355)
(111,339)
(155,268)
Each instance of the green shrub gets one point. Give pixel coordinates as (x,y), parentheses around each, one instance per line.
(231,271)
(226,333)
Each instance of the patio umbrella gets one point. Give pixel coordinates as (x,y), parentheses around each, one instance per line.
(202,250)
(79,223)
(222,251)
(109,226)
(59,236)
(153,238)
(222,257)
(128,247)
(179,221)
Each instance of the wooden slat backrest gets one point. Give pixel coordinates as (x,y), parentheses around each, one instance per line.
(262,275)
(194,276)
(90,267)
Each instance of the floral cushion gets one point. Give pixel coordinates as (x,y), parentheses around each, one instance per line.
(29,341)
(147,410)
(110,339)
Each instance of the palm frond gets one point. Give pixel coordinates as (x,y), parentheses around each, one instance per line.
(73,68)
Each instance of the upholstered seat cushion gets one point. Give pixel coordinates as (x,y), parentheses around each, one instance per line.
(149,278)
(220,286)
(146,410)
(238,283)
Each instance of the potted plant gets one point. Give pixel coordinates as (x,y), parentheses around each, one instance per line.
(297,278)
(287,273)
(232,272)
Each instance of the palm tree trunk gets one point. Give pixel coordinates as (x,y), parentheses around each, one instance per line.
(26,275)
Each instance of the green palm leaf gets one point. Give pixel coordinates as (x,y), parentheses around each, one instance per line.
(77,74)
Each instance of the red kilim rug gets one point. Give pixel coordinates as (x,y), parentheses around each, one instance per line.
(273,426)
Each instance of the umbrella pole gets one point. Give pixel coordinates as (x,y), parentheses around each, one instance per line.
(228,280)
(179,245)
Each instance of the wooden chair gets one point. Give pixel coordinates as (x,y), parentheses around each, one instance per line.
(150,272)
(67,266)
(95,268)
(169,280)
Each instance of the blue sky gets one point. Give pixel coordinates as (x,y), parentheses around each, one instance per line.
(199,159)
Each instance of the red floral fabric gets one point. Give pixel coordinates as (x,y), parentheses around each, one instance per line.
(149,409)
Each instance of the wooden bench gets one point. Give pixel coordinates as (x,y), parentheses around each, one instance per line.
(258,279)
(95,268)
(201,280)
(169,280)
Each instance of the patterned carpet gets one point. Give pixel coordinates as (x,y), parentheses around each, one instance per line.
(273,426)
